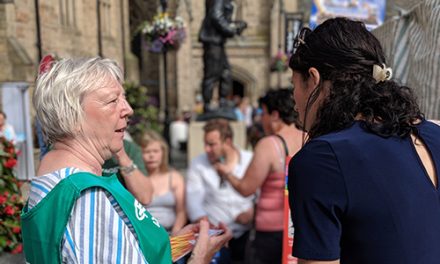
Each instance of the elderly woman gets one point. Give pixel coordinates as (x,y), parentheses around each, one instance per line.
(73,215)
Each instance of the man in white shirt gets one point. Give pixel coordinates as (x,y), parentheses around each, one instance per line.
(208,196)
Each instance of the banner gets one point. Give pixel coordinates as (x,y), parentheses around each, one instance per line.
(371,12)
(288,230)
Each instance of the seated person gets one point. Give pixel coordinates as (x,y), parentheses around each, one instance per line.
(208,197)
(168,204)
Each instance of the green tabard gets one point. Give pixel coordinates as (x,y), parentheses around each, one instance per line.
(44,225)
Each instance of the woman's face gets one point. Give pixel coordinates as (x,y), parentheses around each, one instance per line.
(105,118)
(152,155)
(301,93)
(266,121)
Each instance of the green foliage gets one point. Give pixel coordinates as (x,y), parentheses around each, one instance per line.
(11,201)
(146,111)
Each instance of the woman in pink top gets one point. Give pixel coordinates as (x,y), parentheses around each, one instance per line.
(267,172)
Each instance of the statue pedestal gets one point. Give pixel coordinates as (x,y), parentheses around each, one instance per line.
(225,112)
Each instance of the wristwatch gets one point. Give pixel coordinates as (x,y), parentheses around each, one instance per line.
(128,169)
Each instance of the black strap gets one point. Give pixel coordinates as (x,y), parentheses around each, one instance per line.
(286,150)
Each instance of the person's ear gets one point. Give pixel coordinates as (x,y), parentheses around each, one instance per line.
(274,115)
(314,77)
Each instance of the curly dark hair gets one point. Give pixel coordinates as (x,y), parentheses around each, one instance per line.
(280,100)
(344,52)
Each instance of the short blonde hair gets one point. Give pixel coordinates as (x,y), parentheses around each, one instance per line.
(60,91)
(151,136)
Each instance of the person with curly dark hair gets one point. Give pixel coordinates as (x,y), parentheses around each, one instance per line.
(267,173)
(364,187)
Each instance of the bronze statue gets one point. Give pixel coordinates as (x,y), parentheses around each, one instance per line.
(164,5)
(216,28)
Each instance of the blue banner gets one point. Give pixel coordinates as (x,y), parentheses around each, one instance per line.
(371,12)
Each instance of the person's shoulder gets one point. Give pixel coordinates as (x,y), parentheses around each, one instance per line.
(355,136)
(175,173)
(200,160)
(329,144)
(177,177)
(266,142)
(429,130)
(429,125)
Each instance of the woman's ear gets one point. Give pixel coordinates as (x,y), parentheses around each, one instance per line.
(314,77)
(274,115)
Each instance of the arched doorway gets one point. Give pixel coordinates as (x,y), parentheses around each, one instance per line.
(243,83)
(237,88)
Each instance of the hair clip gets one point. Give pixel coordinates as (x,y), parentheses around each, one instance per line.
(46,64)
(301,36)
(382,73)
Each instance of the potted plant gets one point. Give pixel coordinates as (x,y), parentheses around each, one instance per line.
(145,108)
(163,33)
(280,62)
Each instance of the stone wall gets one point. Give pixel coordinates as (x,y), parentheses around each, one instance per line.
(68,28)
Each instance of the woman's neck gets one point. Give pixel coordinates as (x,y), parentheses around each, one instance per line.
(81,156)
(281,127)
(154,172)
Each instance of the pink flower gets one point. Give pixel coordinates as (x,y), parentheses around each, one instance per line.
(2,199)
(169,38)
(9,210)
(10,163)
(16,229)
(46,64)
(17,249)
(14,198)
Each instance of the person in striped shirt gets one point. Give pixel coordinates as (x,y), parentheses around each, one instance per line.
(73,215)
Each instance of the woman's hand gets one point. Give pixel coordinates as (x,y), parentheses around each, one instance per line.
(223,170)
(194,228)
(206,246)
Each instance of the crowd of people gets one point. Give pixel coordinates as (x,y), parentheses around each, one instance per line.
(362,177)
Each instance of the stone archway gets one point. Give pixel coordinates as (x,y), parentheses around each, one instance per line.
(245,81)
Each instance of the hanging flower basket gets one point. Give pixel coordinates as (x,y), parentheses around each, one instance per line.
(11,201)
(163,33)
(280,62)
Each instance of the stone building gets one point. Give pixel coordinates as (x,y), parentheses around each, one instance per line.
(249,54)
(31,29)
(66,28)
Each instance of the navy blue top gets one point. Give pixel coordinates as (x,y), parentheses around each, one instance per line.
(362,198)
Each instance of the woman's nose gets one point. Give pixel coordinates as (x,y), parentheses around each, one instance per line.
(127,110)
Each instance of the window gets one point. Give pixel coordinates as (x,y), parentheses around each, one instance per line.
(68,13)
(106,17)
